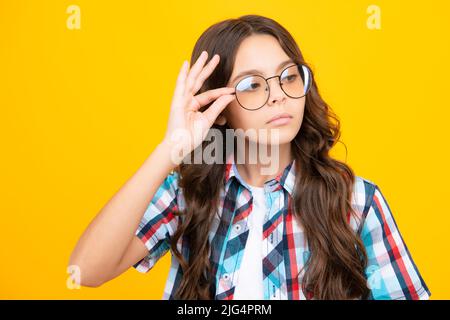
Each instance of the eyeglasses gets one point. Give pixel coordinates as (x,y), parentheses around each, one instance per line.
(253,92)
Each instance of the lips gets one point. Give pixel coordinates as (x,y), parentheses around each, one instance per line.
(280,116)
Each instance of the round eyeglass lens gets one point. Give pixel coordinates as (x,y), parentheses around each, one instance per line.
(251,92)
(295,81)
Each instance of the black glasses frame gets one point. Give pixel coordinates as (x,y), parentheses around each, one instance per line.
(299,65)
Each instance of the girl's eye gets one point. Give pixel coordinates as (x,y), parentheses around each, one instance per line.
(249,85)
(290,78)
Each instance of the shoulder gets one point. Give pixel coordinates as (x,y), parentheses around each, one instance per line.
(171,186)
(167,193)
(173,178)
(362,197)
(363,191)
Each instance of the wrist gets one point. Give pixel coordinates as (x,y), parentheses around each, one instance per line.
(173,151)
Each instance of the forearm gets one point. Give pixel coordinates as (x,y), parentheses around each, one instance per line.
(106,238)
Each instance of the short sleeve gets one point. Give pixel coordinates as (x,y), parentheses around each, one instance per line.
(158,223)
(391,272)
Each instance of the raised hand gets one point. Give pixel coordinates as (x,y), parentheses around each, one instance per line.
(187,126)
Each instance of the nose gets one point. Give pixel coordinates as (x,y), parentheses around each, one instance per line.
(276,93)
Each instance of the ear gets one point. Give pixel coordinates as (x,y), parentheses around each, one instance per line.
(220,120)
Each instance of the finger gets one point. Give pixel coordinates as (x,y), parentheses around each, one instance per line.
(195,70)
(179,98)
(206,97)
(217,107)
(181,79)
(206,72)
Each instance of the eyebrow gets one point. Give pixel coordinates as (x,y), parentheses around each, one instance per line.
(253,71)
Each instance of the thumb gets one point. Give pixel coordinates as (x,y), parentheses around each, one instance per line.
(217,107)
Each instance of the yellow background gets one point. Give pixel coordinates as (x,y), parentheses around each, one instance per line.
(82,109)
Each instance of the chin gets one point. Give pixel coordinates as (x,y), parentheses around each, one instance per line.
(281,135)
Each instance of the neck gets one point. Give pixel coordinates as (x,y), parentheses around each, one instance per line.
(256,166)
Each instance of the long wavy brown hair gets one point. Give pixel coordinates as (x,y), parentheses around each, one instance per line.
(323,186)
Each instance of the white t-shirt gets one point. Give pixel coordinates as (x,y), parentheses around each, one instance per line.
(250,283)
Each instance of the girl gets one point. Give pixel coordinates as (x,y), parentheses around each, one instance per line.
(310,229)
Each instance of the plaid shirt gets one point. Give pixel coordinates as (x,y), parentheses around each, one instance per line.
(391,272)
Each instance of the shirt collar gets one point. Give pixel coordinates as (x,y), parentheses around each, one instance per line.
(284,179)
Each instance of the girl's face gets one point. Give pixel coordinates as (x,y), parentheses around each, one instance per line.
(264,55)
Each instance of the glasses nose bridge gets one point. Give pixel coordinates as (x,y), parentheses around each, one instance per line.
(279,82)
(277,76)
